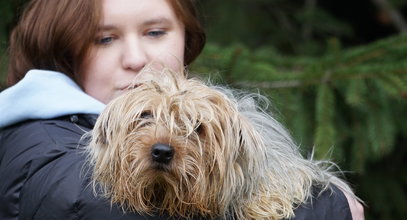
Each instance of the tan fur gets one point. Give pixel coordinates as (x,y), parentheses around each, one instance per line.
(232,160)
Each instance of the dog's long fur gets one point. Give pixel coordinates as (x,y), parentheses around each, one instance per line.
(232,159)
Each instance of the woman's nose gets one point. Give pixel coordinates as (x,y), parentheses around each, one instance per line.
(134,56)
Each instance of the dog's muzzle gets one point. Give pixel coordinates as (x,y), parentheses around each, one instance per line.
(162,153)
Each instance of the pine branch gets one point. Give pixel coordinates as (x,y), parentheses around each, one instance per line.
(325,132)
(233,61)
(303,83)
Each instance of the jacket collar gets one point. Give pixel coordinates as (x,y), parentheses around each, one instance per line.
(44,94)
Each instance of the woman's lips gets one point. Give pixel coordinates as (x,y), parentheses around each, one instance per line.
(128,87)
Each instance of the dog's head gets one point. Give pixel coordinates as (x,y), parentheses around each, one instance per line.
(176,145)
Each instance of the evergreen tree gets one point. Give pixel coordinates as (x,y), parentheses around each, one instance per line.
(348,105)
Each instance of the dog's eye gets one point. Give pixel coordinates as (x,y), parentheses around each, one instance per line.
(144,119)
(199,129)
(146,115)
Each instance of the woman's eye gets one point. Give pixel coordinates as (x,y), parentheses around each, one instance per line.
(156,33)
(104,40)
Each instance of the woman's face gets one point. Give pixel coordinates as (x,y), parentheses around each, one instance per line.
(132,34)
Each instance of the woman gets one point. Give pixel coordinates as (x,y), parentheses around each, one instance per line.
(67,60)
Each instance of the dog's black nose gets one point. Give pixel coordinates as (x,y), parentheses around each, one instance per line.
(162,153)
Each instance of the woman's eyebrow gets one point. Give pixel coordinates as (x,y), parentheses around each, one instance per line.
(148,22)
(106,27)
(158,20)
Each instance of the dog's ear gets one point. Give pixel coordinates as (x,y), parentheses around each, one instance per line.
(99,131)
(242,161)
(105,126)
(251,147)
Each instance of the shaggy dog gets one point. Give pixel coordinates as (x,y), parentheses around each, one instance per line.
(183,147)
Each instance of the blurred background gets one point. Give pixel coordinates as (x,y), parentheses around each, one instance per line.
(335,71)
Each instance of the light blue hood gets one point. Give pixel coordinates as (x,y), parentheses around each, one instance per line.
(43,95)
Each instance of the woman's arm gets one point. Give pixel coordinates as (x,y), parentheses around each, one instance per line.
(356,208)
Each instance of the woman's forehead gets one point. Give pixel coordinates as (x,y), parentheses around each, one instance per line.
(140,11)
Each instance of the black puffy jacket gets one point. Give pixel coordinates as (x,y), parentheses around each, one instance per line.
(42,177)
(42,172)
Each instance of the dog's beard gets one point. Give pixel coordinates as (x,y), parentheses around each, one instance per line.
(177,187)
(208,174)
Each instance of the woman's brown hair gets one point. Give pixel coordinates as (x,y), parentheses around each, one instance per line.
(194,33)
(52,35)
(57,34)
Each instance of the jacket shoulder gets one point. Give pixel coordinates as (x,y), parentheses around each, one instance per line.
(28,150)
(328,204)
(44,174)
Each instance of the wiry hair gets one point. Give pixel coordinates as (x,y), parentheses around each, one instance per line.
(232,159)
